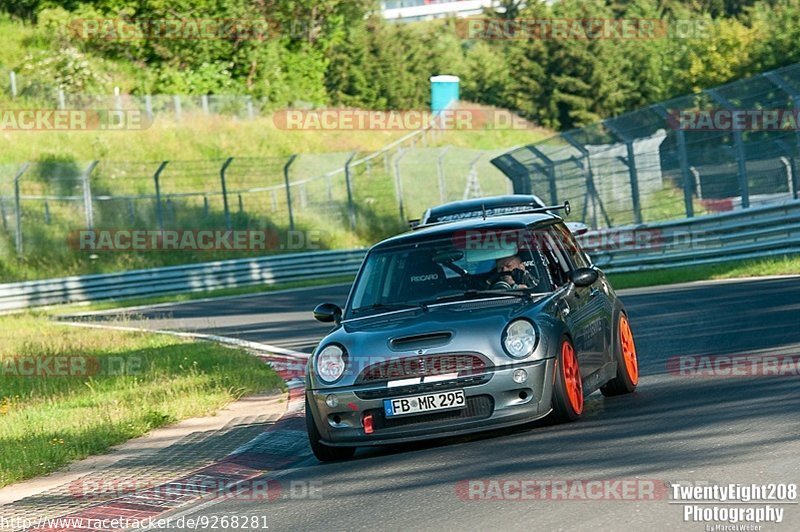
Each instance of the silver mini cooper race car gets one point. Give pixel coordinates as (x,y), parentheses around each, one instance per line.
(463,326)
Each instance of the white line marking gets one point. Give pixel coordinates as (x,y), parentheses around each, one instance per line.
(190,301)
(257,346)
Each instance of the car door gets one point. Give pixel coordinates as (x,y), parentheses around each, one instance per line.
(593,325)
(575,302)
(601,303)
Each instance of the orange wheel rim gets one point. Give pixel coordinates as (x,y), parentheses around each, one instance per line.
(572,377)
(628,349)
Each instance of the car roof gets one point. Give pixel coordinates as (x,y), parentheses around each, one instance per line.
(444,230)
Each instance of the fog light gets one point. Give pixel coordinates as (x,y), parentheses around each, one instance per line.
(332,401)
(520,376)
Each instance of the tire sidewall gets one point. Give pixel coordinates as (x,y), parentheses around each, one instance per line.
(622,368)
(562,407)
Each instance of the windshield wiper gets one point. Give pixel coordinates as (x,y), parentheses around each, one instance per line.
(471,294)
(390,307)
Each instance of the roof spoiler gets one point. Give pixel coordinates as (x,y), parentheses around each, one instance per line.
(566,207)
(415,224)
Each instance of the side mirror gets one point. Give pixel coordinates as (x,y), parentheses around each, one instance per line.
(328,313)
(584,277)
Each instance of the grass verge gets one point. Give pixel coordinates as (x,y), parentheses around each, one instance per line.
(784,265)
(104,387)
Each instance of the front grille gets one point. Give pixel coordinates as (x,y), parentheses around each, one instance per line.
(427,387)
(423,366)
(478,407)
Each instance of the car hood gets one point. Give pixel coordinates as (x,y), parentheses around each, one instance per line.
(474,326)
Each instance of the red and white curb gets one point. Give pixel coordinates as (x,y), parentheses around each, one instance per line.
(279,447)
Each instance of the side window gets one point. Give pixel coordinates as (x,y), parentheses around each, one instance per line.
(571,247)
(557,263)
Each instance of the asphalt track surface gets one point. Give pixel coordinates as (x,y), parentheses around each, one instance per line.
(673,429)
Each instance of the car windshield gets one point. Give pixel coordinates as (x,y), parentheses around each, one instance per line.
(459,266)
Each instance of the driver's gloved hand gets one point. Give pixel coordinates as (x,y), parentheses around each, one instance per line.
(511,278)
(519,276)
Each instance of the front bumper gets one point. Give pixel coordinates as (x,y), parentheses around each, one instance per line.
(494,400)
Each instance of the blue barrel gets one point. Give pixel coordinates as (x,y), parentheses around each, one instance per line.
(445,92)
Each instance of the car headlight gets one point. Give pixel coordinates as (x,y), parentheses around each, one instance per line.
(519,339)
(331,362)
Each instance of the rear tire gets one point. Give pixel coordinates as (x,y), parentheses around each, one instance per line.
(324,453)
(568,398)
(627,361)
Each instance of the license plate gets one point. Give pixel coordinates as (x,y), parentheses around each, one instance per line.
(421,404)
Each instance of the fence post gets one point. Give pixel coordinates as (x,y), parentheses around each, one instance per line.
(204,102)
(62,104)
(176,100)
(227,211)
(440,171)
(351,210)
(550,171)
(13,78)
(250,111)
(473,187)
(156,179)
(683,160)
(795,99)
(3,213)
(634,176)
(117,99)
(633,172)
(585,162)
(18,208)
(289,189)
(148,106)
(789,176)
(741,161)
(87,195)
(698,183)
(398,183)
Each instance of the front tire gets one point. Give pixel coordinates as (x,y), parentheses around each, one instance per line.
(627,361)
(568,389)
(324,453)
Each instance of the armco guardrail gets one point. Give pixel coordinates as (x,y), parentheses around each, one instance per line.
(749,233)
(744,234)
(181,279)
